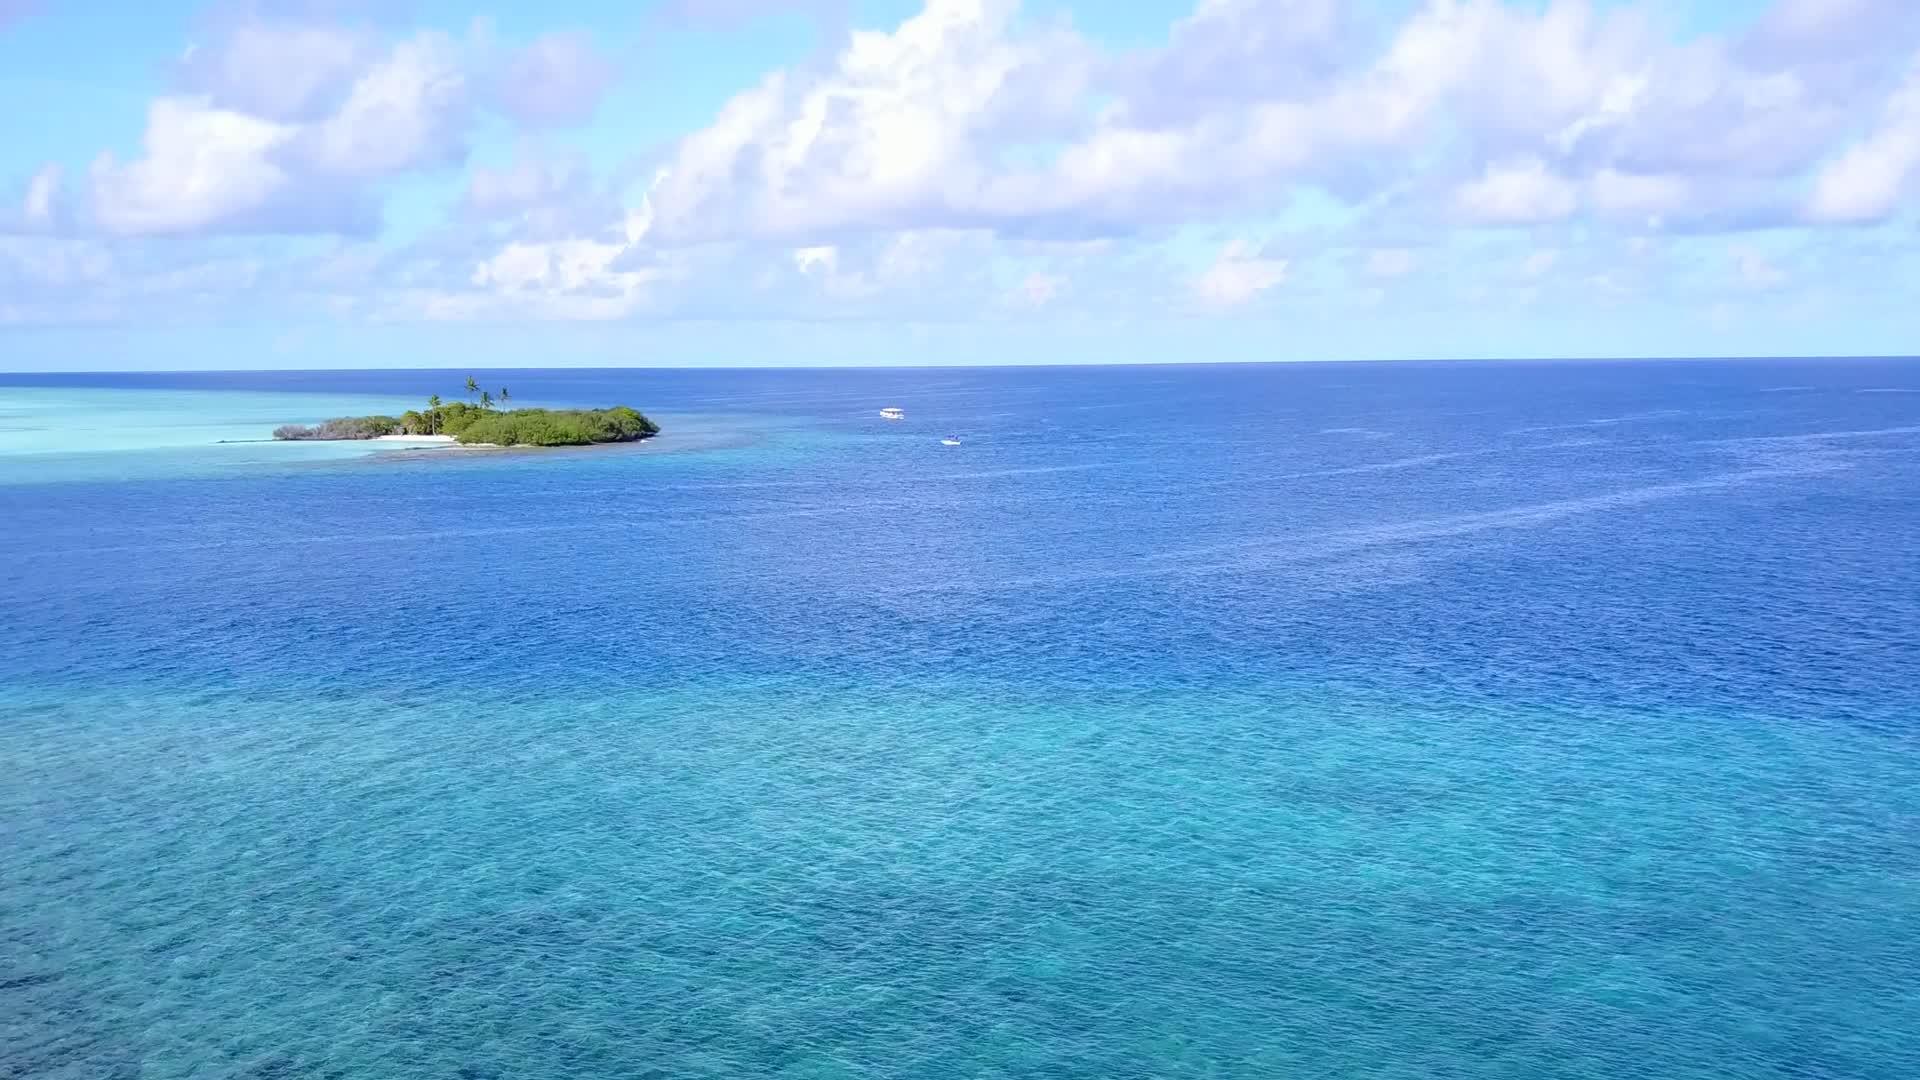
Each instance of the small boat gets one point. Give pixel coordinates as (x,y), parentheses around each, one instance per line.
(891,413)
(951,440)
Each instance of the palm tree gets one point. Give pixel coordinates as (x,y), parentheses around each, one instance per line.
(472,387)
(433,422)
(486,400)
(504,397)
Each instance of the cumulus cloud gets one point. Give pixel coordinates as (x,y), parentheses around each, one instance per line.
(406,111)
(1560,111)
(288,72)
(895,134)
(556,81)
(43,194)
(526,183)
(1229,52)
(602,274)
(1238,275)
(245,156)
(1521,192)
(38,205)
(979,157)
(1797,31)
(289,125)
(967,115)
(201,164)
(819,259)
(571,266)
(1638,195)
(1869,180)
(730,14)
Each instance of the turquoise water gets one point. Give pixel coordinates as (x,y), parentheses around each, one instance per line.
(61,432)
(60,420)
(1343,720)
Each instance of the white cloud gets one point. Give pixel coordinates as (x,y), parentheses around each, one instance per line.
(565,266)
(1238,275)
(967,115)
(405,111)
(573,279)
(1229,52)
(1639,196)
(1560,109)
(732,14)
(557,80)
(206,166)
(1848,30)
(287,72)
(41,208)
(911,167)
(527,182)
(607,275)
(201,164)
(1868,181)
(1522,192)
(891,135)
(844,275)
(821,259)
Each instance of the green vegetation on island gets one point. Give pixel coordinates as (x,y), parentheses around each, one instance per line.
(346,427)
(482,422)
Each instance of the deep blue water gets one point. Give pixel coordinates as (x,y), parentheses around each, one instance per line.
(1415,720)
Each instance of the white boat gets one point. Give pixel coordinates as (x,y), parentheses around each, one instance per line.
(951,440)
(891,413)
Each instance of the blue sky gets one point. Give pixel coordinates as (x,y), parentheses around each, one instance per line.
(332,183)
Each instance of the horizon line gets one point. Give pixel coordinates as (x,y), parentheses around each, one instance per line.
(1774,358)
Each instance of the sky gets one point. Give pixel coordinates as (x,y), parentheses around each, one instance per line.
(421,183)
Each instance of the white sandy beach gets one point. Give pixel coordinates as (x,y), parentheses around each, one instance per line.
(424,441)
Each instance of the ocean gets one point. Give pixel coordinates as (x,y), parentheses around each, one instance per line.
(1524,720)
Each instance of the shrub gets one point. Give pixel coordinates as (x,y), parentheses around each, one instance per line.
(472,424)
(458,416)
(565,427)
(345,427)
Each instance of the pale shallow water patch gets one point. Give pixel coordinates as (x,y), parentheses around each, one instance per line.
(68,420)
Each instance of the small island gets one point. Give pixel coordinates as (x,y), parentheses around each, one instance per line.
(481,423)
